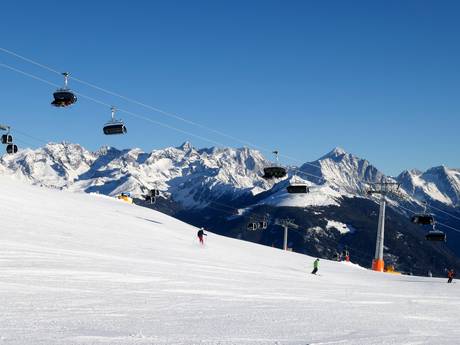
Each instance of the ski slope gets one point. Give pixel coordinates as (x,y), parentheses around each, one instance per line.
(87,269)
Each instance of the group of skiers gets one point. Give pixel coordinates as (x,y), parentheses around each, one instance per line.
(344,256)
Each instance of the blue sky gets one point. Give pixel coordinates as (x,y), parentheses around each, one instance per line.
(378,78)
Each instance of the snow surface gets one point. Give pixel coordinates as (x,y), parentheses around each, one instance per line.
(341,227)
(84,269)
(317,196)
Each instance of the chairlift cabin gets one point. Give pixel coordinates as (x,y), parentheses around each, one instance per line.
(436,236)
(423,219)
(154,192)
(11,148)
(252,226)
(262,225)
(298,188)
(114,126)
(274,171)
(7,139)
(152,195)
(63,97)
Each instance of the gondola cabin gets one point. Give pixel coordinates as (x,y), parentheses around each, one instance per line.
(262,225)
(298,189)
(252,226)
(7,139)
(11,148)
(154,192)
(113,128)
(63,98)
(423,219)
(274,172)
(436,236)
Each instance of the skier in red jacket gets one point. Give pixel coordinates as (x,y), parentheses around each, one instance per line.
(450,275)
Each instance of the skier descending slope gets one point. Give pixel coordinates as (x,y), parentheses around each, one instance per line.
(450,275)
(315,266)
(200,235)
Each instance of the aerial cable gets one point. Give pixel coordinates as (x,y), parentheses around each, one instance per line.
(31,137)
(23,141)
(447,213)
(148,119)
(442,224)
(155,109)
(142,117)
(145,118)
(447,226)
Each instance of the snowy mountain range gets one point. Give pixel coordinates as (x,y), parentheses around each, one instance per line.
(195,177)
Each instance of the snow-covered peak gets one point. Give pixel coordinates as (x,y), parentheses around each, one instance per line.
(186,146)
(344,171)
(440,183)
(54,165)
(337,152)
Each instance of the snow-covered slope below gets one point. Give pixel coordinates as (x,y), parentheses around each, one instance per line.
(87,269)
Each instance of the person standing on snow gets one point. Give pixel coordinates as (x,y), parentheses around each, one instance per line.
(450,275)
(315,266)
(200,235)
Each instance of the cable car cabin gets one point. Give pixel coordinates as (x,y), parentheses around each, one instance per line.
(423,219)
(436,235)
(63,98)
(11,148)
(7,139)
(298,188)
(262,225)
(112,128)
(252,226)
(274,172)
(154,192)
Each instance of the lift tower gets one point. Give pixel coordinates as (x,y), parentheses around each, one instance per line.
(286,224)
(382,188)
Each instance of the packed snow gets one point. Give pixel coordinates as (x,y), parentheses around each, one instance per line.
(84,269)
(322,195)
(339,226)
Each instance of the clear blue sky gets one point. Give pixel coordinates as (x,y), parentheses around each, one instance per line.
(378,78)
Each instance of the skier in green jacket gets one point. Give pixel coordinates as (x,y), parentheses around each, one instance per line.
(315,266)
